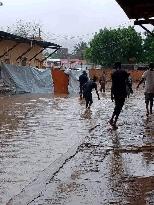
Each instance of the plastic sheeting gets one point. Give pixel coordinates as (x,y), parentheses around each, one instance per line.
(73,86)
(26,79)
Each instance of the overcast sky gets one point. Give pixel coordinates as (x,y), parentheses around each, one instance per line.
(65,17)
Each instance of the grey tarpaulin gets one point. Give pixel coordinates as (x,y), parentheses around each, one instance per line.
(26,79)
(73,87)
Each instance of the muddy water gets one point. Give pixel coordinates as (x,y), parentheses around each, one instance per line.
(109,167)
(35,130)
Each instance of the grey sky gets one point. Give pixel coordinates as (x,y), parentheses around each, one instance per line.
(65,17)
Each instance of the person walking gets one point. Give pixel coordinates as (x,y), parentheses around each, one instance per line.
(102,82)
(87,91)
(118,92)
(83,78)
(129,85)
(148,77)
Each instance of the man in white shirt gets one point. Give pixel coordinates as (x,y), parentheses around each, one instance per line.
(148,77)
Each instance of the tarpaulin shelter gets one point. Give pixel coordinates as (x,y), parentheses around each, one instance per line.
(140,10)
(22,79)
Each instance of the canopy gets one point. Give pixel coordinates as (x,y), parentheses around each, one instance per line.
(19,39)
(136,9)
(141,10)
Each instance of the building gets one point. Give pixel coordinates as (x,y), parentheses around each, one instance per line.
(23,51)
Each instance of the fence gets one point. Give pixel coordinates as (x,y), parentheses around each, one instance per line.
(135,74)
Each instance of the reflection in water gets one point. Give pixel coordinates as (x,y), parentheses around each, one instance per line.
(37,129)
(34,131)
(87,114)
(134,190)
(116,172)
(140,190)
(148,139)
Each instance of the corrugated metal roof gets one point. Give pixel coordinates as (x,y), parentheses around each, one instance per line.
(136,9)
(43,44)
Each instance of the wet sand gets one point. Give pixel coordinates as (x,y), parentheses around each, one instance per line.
(53,152)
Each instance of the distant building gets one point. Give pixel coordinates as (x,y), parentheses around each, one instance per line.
(23,51)
(52,62)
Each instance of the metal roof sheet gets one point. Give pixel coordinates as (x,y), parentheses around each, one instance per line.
(136,9)
(43,44)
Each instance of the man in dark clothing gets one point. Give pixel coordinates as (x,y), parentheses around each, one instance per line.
(129,86)
(83,78)
(118,92)
(102,82)
(87,91)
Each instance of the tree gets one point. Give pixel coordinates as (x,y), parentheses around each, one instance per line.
(148,48)
(79,50)
(110,45)
(25,29)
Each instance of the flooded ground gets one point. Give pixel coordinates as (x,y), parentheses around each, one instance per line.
(53,152)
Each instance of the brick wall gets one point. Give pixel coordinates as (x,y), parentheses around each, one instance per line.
(135,74)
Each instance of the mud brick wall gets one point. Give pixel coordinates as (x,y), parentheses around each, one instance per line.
(135,74)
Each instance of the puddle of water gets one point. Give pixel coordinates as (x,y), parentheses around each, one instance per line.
(35,130)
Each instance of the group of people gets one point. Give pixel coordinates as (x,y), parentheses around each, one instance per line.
(120,89)
(86,87)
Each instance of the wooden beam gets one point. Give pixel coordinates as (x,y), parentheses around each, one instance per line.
(9,49)
(37,54)
(19,57)
(147,30)
(144,21)
(50,54)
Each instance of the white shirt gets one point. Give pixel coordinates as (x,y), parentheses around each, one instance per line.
(149,81)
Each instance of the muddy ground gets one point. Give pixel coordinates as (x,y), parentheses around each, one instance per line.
(55,152)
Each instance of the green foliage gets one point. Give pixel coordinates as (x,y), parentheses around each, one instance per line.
(88,55)
(79,50)
(149,48)
(110,45)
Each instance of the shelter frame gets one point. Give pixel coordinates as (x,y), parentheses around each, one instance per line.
(140,10)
